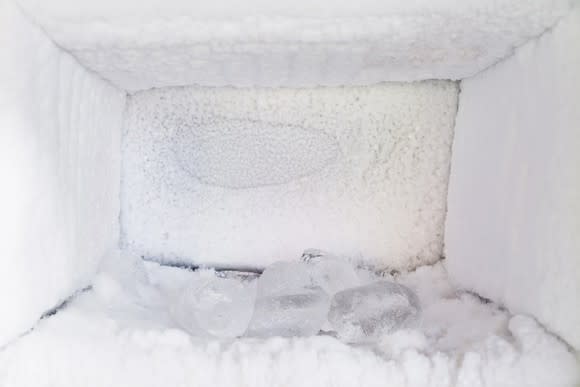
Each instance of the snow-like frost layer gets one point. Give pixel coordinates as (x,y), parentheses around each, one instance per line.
(155,43)
(60,132)
(251,176)
(120,334)
(513,226)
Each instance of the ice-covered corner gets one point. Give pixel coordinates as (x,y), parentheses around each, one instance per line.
(289,193)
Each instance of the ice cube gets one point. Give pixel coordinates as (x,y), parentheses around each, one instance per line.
(283,278)
(333,275)
(366,313)
(298,314)
(220,307)
(288,303)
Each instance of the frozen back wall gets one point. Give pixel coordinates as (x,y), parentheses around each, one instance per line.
(246,177)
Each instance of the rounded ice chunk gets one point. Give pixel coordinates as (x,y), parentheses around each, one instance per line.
(288,302)
(220,306)
(365,313)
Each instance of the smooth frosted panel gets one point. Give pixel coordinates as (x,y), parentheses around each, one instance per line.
(59,168)
(513,226)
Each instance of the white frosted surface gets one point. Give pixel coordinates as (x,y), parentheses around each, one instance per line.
(108,337)
(513,226)
(154,43)
(248,177)
(59,167)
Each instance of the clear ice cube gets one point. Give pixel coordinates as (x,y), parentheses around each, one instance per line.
(333,275)
(300,314)
(366,313)
(288,302)
(283,278)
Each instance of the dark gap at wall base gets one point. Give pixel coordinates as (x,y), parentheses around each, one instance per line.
(64,303)
(49,313)
(194,267)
